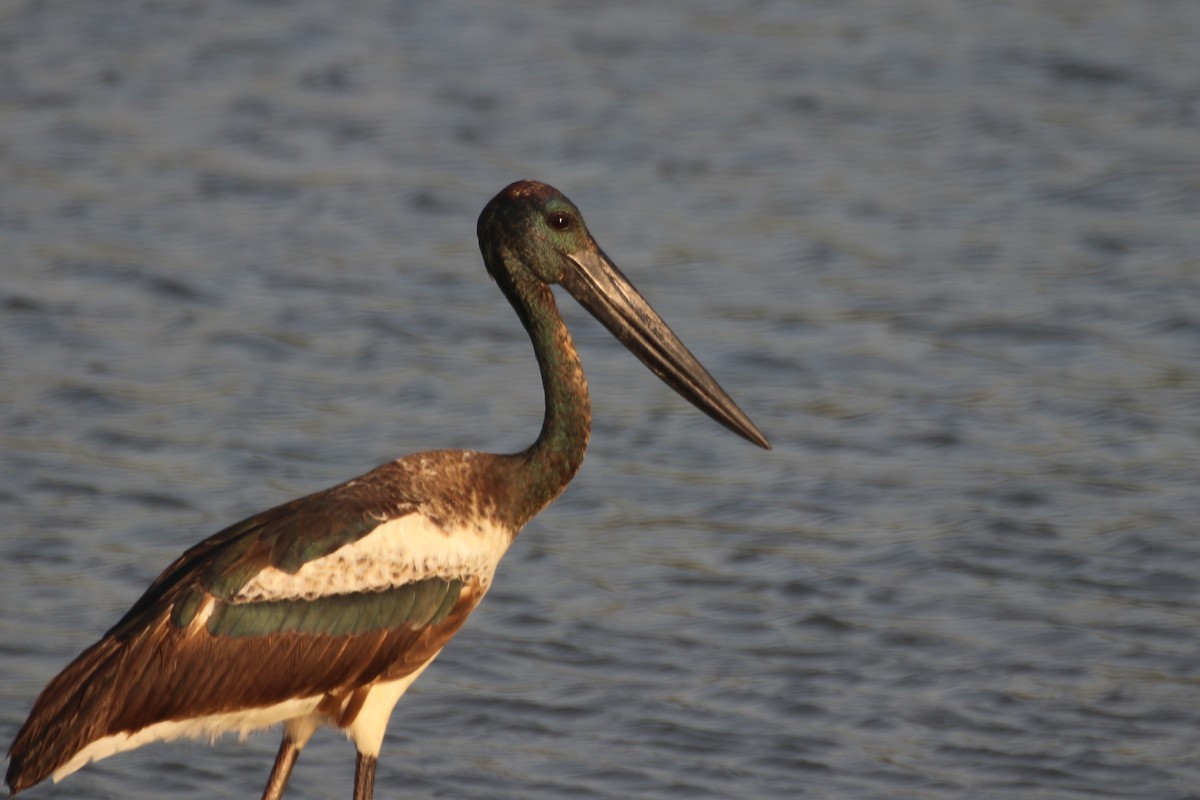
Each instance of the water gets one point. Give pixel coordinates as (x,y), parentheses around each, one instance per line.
(945,254)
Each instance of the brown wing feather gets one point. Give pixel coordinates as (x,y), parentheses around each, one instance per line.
(154,667)
(165,673)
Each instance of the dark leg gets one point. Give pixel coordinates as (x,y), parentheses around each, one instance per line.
(284,761)
(364,776)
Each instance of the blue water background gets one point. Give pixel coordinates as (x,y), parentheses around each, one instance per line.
(946,254)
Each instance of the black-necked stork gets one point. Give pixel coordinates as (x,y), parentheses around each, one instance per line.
(324,610)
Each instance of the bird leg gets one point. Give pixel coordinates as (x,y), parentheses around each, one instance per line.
(289,751)
(364,776)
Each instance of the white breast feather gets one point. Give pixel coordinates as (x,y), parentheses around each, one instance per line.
(397,552)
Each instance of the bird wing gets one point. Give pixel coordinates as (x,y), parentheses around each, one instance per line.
(211,636)
(284,537)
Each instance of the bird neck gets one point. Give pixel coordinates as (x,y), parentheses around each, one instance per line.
(549,464)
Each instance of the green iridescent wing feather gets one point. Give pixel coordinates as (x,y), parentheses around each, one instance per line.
(425,602)
(285,537)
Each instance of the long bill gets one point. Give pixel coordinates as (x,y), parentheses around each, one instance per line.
(601,288)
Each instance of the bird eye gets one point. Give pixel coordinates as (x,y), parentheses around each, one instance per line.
(559,220)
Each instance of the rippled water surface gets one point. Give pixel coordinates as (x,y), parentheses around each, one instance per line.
(947,255)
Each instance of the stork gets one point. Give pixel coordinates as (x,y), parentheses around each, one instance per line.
(324,610)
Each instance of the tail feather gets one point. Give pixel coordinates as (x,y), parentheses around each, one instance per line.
(73,710)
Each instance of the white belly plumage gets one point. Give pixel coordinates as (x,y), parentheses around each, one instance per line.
(366,731)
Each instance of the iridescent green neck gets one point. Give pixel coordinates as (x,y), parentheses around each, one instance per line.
(548,465)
